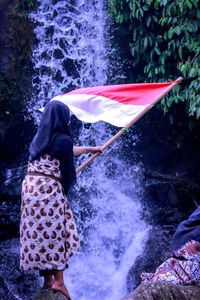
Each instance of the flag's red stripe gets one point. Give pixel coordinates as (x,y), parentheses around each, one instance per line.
(138,94)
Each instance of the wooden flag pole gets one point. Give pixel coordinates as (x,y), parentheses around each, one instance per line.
(123,130)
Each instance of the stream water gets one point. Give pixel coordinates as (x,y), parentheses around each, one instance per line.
(72,50)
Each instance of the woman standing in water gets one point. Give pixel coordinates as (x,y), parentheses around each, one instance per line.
(48,235)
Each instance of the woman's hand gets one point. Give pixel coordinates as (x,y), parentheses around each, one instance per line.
(94,150)
(86,149)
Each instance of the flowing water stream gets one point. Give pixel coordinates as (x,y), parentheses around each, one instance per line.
(72,50)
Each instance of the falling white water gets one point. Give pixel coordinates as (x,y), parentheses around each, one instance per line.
(72,51)
(108,218)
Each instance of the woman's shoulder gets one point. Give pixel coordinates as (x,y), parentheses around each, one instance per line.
(63,139)
(62,145)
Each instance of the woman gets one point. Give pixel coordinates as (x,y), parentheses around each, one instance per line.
(184,266)
(48,235)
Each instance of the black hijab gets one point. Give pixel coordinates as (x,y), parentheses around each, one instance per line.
(53,137)
(187,230)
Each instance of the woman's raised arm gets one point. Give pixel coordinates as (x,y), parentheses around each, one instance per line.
(86,149)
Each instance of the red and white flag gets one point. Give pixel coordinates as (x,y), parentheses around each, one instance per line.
(115,104)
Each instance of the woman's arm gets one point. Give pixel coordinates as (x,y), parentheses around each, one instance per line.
(86,149)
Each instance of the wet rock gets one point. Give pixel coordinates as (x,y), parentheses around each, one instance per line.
(55,13)
(71,67)
(172,197)
(14,284)
(4,4)
(58,54)
(157,250)
(58,76)
(164,220)
(45,70)
(50,31)
(45,294)
(10,199)
(12,181)
(63,44)
(16,37)
(164,291)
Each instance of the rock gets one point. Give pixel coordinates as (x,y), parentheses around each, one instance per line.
(164,291)
(14,284)
(159,241)
(46,294)
(4,4)
(16,38)
(10,182)
(11,187)
(58,54)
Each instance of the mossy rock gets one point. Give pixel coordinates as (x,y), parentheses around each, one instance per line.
(164,291)
(46,294)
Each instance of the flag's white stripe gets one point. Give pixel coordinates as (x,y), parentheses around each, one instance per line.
(92,108)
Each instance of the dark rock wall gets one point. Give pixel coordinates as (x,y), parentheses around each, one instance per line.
(16,40)
(169,156)
(15,285)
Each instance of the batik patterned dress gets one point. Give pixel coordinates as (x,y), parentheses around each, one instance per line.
(182,269)
(48,235)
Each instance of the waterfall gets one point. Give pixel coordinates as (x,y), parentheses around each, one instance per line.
(71,47)
(72,50)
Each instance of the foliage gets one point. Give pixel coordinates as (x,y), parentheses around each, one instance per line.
(163,37)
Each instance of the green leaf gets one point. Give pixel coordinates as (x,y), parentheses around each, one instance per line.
(180,51)
(189,4)
(145,42)
(157,50)
(163,38)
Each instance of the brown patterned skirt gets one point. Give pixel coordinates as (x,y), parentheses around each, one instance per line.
(48,235)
